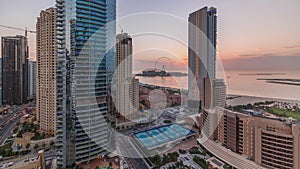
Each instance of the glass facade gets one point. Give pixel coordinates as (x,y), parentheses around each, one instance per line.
(82,80)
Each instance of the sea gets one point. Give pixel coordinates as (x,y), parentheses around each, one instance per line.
(243,82)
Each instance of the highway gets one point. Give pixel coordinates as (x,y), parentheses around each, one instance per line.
(6,131)
(132,156)
(7,125)
(6,117)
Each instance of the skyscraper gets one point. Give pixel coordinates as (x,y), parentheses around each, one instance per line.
(1,81)
(202,53)
(32,79)
(82,87)
(46,70)
(111,67)
(14,70)
(126,93)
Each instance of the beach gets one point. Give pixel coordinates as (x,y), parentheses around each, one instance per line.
(233,100)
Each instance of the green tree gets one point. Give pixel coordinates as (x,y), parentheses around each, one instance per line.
(36,146)
(181,163)
(27,146)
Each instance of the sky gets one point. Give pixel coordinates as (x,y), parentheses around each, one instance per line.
(249,32)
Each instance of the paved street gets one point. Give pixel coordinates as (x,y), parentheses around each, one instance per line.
(6,131)
(132,156)
(14,110)
(8,126)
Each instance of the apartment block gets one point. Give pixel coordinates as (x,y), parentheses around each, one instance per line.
(127,92)
(269,142)
(46,71)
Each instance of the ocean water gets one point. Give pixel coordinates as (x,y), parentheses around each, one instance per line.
(240,84)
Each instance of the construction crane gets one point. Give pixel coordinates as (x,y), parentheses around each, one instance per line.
(20,29)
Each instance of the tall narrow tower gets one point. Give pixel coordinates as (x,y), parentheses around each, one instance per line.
(127,86)
(46,71)
(82,128)
(202,53)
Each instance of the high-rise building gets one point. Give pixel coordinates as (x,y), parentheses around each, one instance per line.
(46,71)
(111,67)
(126,94)
(134,89)
(0,81)
(82,128)
(215,93)
(32,79)
(202,53)
(111,37)
(14,70)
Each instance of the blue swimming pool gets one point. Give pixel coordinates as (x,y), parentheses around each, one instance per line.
(161,135)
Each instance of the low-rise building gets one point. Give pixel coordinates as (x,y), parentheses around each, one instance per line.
(269,142)
(24,140)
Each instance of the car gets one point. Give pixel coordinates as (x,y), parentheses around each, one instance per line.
(10,164)
(4,165)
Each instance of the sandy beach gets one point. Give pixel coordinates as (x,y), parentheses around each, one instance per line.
(234,100)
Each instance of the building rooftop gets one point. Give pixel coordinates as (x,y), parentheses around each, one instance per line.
(227,156)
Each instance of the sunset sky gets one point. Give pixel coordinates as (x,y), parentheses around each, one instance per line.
(250,33)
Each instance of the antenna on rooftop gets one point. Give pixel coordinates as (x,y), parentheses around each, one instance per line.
(121,29)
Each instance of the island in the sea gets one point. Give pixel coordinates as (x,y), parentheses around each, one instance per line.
(295,82)
(261,74)
(158,72)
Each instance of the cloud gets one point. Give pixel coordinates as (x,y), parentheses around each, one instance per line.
(291,47)
(248,55)
(269,54)
(263,62)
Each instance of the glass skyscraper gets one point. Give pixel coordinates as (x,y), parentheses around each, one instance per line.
(202,53)
(83,123)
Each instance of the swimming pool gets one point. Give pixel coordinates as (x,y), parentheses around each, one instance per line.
(161,135)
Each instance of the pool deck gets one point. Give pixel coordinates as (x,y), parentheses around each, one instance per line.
(162,135)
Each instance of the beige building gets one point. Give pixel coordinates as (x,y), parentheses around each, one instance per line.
(46,71)
(127,92)
(24,140)
(215,93)
(269,142)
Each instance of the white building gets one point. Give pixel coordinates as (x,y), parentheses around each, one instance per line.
(127,92)
(215,93)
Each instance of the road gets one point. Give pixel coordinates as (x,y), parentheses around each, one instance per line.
(131,155)
(6,117)
(6,131)
(20,159)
